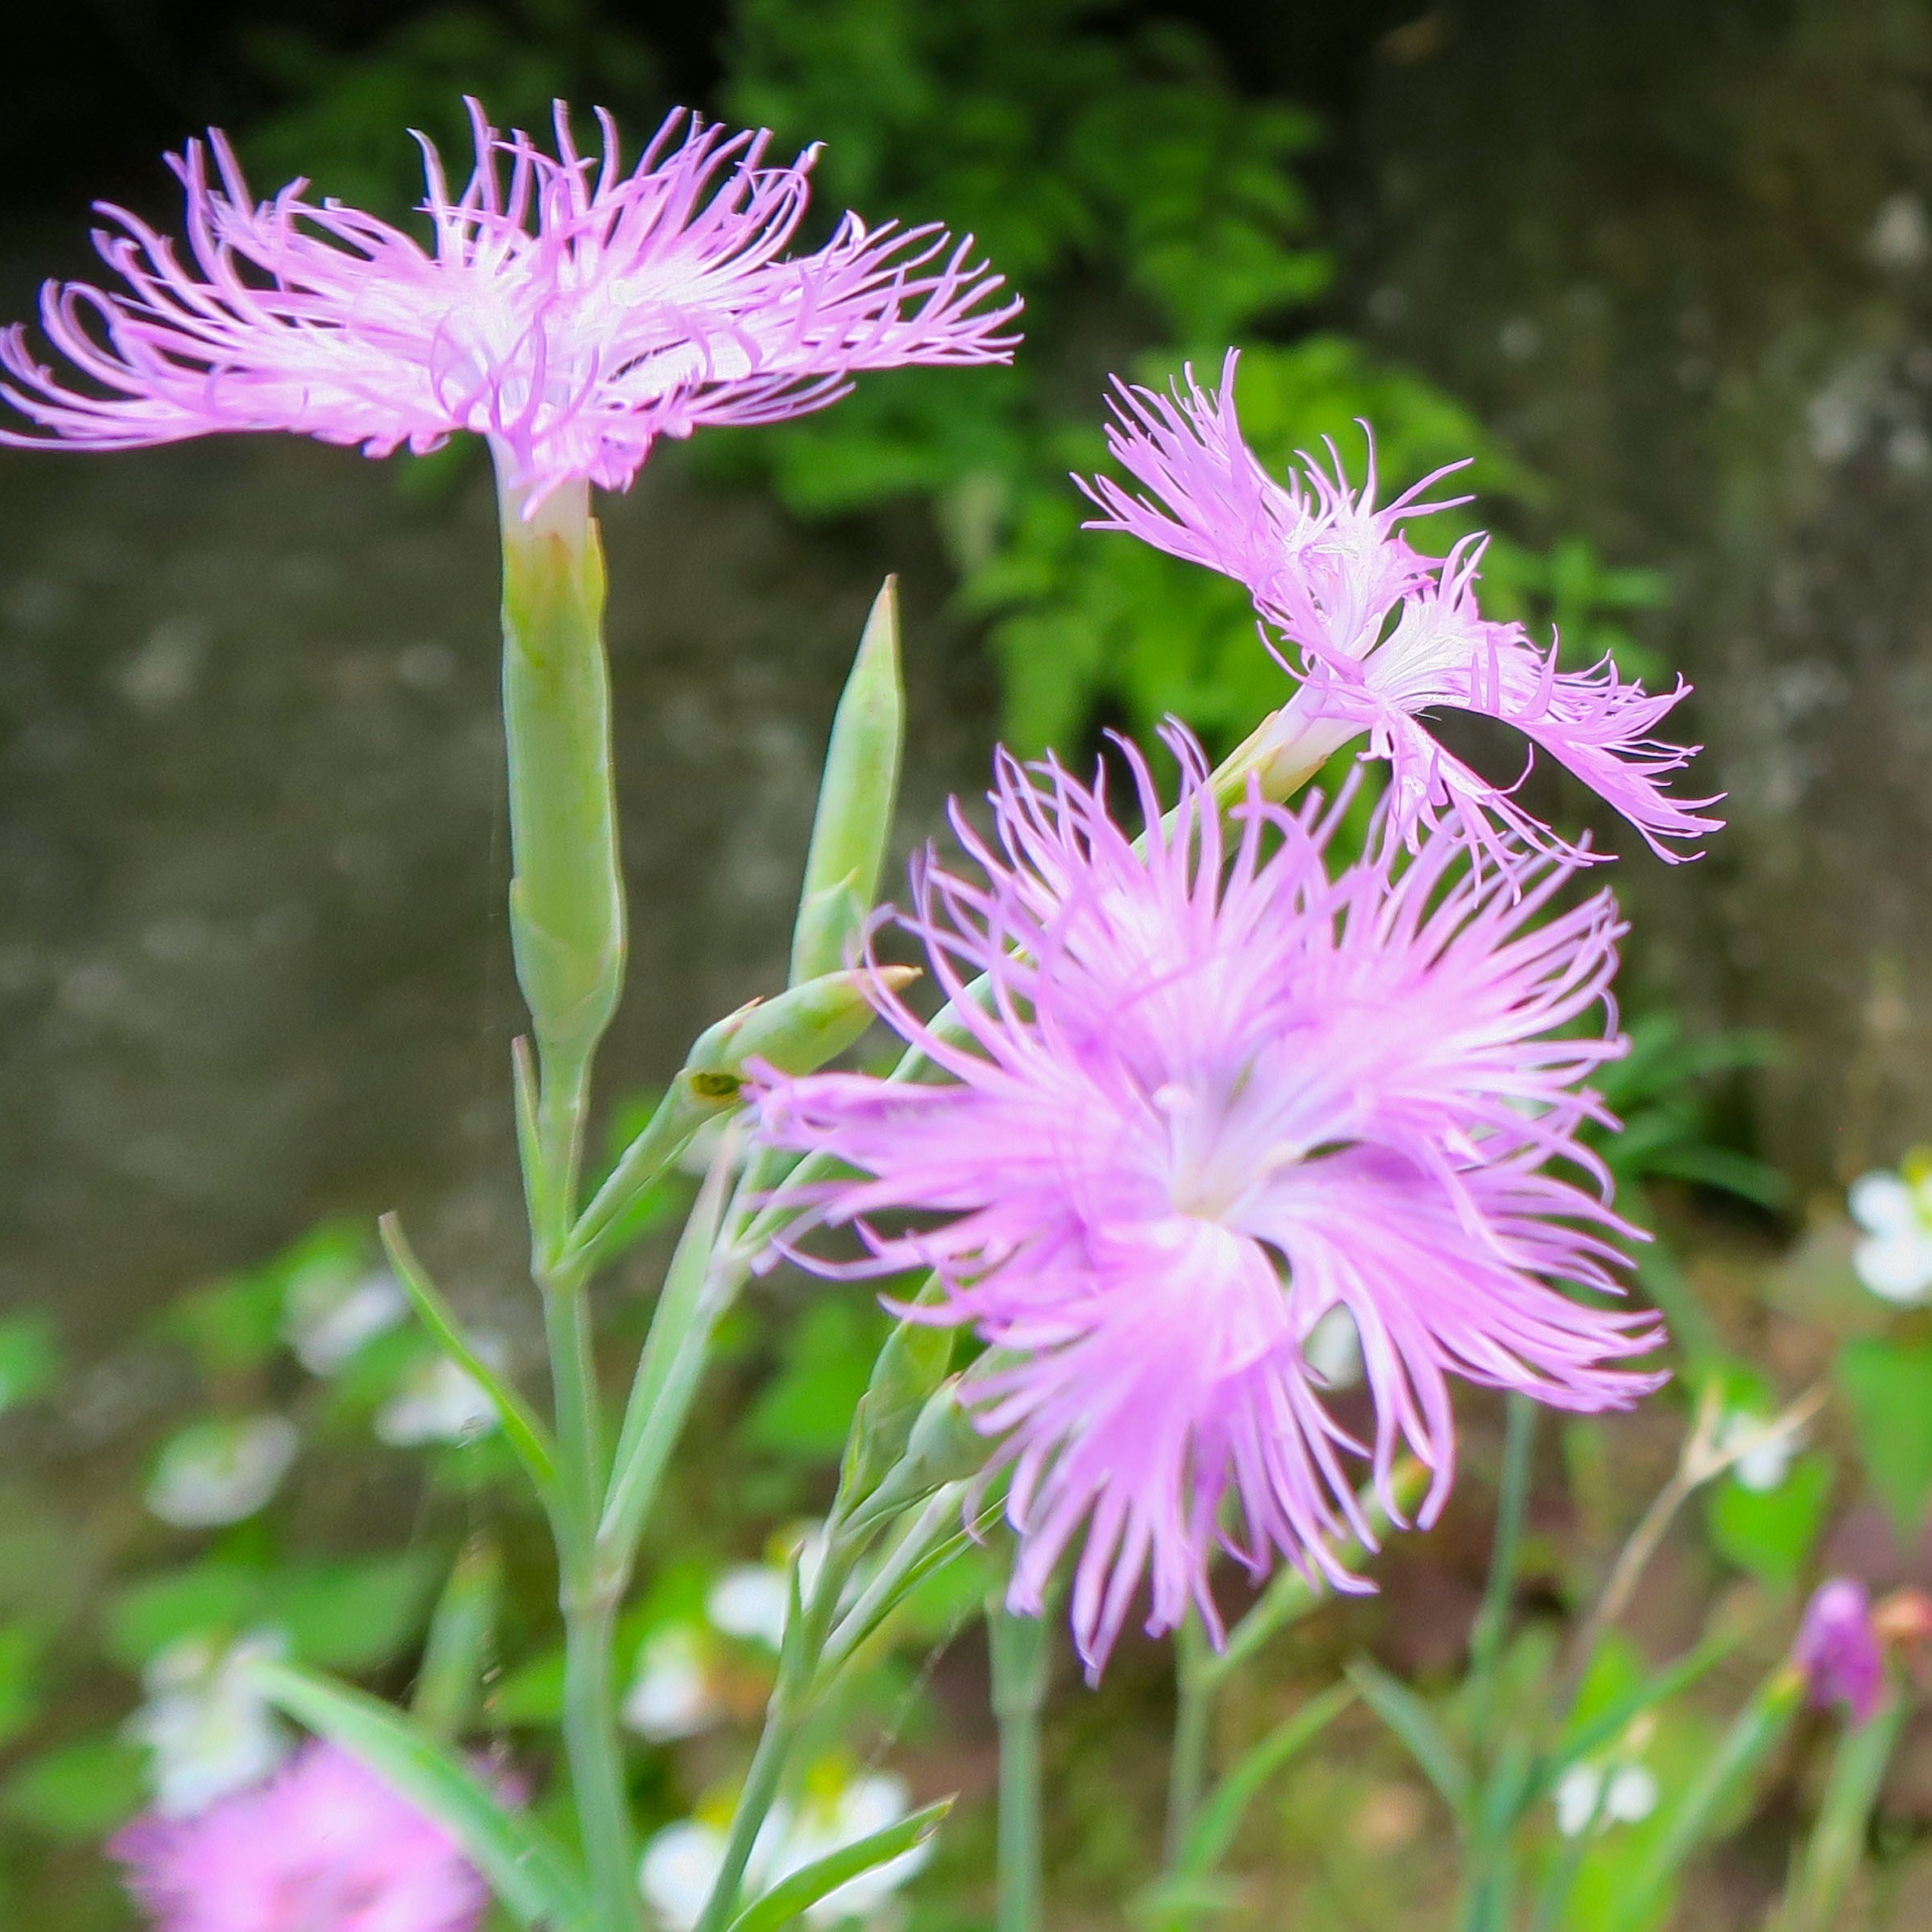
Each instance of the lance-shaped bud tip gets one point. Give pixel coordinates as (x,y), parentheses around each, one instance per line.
(856,798)
(805,1026)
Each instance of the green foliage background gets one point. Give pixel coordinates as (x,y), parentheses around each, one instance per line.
(1150,213)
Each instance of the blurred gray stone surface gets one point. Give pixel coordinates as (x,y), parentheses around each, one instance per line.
(1680,252)
(253,966)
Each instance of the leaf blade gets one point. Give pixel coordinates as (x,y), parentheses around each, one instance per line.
(1414,1725)
(805,1888)
(525,1867)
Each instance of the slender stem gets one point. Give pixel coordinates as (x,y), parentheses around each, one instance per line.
(1553,1899)
(1492,1626)
(589,1600)
(566,915)
(784,1718)
(1837,1845)
(1194,1723)
(573,1369)
(1020,1658)
(698,1287)
(595,1757)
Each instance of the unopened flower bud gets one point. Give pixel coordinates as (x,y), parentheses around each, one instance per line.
(1838,1651)
(856,797)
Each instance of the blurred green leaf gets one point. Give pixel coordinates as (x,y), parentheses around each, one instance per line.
(825,1361)
(352,1616)
(1889,1386)
(1770,1531)
(150,1614)
(1412,1721)
(232,1326)
(23,1671)
(29,1358)
(78,1791)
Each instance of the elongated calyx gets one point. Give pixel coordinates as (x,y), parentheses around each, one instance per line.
(570,311)
(1211,1091)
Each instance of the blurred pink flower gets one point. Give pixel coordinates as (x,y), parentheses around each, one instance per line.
(1209,1096)
(1838,1650)
(324,1846)
(569,312)
(1381,632)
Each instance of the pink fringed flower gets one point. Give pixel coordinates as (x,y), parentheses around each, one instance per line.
(1207,1097)
(1378,631)
(1838,1651)
(324,1846)
(569,312)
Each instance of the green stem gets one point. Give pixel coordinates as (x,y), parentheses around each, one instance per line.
(588,1601)
(784,1718)
(567,913)
(1194,1723)
(1837,1844)
(1552,1899)
(1020,1658)
(596,1756)
(1492,1627)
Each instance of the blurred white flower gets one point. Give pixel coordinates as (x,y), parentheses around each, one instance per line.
(1588,1794)
(1765,1453)
(1895,1260)
(671,1695)
(220,1471)
(1577,1794)
(1630,1795)
(437,1401)
(681,1862)
(330,1319)
(209,1730)
(679,1866)
(750,1602)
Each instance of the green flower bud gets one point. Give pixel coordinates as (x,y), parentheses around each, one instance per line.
(856,798)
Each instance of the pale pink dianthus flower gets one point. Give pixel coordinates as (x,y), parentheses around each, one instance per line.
(1378,633)
(569,311)
(1206,1097)
(324,1843)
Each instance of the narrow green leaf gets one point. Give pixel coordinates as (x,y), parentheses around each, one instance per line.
(450,1682)
(521,1430)
(1837,1844)
(526,1868)
(695,1294)
(1724,1778)
(1220,1817)
(1616,1717)
(1414,1724)
(919,1554)
(793,1896)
